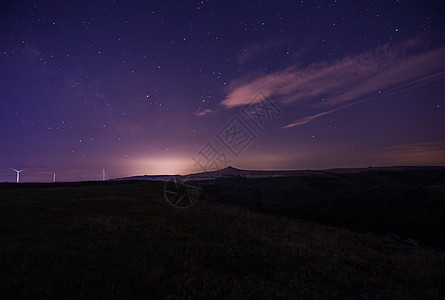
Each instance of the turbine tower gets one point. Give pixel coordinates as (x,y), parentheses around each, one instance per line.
(103,174)
(18,173)
(54,180)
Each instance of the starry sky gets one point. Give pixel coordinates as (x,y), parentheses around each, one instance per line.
(174,87)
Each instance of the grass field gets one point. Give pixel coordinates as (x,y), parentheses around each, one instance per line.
(410,203)
(121,240)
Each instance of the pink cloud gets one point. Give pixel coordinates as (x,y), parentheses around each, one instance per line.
(429,153)
(328,85)
(203,112)
(307,119)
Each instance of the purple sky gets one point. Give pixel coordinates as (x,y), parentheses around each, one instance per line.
(165,87)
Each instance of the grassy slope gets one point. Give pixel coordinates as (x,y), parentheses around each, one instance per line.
(121,240)
(410,203)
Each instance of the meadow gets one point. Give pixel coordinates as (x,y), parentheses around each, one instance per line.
(122,240)
(408,202)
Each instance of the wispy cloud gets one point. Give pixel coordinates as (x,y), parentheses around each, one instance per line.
(308,119)
(204,112)
(329,86)
(430,153)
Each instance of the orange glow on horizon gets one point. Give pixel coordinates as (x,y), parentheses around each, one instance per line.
(162,166)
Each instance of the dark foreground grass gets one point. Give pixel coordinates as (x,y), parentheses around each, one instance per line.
(121,240)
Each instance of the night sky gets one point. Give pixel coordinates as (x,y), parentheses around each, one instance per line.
(166,87)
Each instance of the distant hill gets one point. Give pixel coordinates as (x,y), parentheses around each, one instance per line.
(409,201)
(406,200)
(145,177)
(231,172)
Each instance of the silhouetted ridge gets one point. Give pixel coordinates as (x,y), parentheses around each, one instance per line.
(230,168)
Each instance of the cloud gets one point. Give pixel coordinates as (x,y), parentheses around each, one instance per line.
(308,119)
(204,112)
(331,85)
(428,153)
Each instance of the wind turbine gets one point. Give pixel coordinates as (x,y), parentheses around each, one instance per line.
(18,173)
(54,180)
(103,174)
